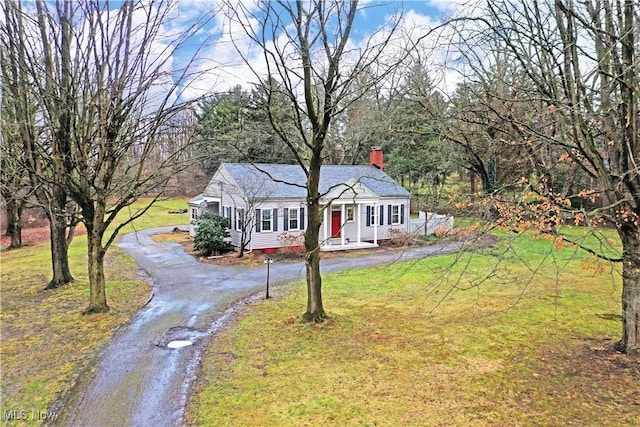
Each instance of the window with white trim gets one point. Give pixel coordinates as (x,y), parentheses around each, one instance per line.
(294,214)
(265,222)
(350,213)
(239,219)
(373,217)
(194,214)
(395,214)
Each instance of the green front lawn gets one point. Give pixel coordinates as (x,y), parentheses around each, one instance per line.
(406,345)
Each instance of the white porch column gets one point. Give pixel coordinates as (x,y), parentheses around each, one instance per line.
(359,220)
(325,240)
(407,218)
(376,216)
(343,221)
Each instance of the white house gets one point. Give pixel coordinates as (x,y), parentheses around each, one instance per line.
(361,204)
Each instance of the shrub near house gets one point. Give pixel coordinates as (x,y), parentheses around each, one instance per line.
(211,234)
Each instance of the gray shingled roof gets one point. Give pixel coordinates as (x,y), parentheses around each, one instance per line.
(330,175)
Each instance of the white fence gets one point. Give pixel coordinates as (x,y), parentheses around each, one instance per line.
(429,223)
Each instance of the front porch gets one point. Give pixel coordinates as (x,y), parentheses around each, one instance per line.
(333,245)
(343,225)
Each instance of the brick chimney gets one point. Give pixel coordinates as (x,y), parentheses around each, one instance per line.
(376,157)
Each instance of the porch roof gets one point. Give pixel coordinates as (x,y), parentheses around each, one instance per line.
(196,201)
(201,199)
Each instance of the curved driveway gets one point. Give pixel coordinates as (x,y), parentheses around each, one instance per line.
(139,381)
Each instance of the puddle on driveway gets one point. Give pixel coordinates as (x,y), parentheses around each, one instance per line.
(179,336)
(179,344)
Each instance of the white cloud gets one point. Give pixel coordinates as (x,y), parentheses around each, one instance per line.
(447,6)
(225,67)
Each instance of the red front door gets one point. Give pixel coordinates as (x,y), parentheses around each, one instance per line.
(335,223)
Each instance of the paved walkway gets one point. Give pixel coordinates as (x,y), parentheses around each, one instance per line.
(138,380)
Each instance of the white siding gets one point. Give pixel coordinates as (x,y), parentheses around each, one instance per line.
(262,239)
(383,230)
(274,238)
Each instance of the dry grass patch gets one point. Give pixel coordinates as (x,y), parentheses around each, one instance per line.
(46,340)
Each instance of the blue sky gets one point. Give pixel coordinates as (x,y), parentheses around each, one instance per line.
(220,65)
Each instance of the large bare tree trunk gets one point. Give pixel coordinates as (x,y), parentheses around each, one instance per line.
(315,310)
(630,342)
(58,238)
(14,225)
(94,213)
(97,290)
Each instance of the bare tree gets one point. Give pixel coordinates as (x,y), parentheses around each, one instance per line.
(109,96)
(362,124)
(309,61)
(254,192)
(14,113)
(13,175)
(579,63)
(21,136)
(12,190)
(246,193)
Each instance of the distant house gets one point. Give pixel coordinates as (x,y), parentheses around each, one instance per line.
(361,204)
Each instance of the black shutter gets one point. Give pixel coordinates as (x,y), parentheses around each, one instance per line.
(275,219)
(402,213)
(233,220)
(381,214)
(389,216)
(258,219)
(286,219)
(301,218)
(368,216)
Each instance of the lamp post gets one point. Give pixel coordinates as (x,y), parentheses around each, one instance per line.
(268,261)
